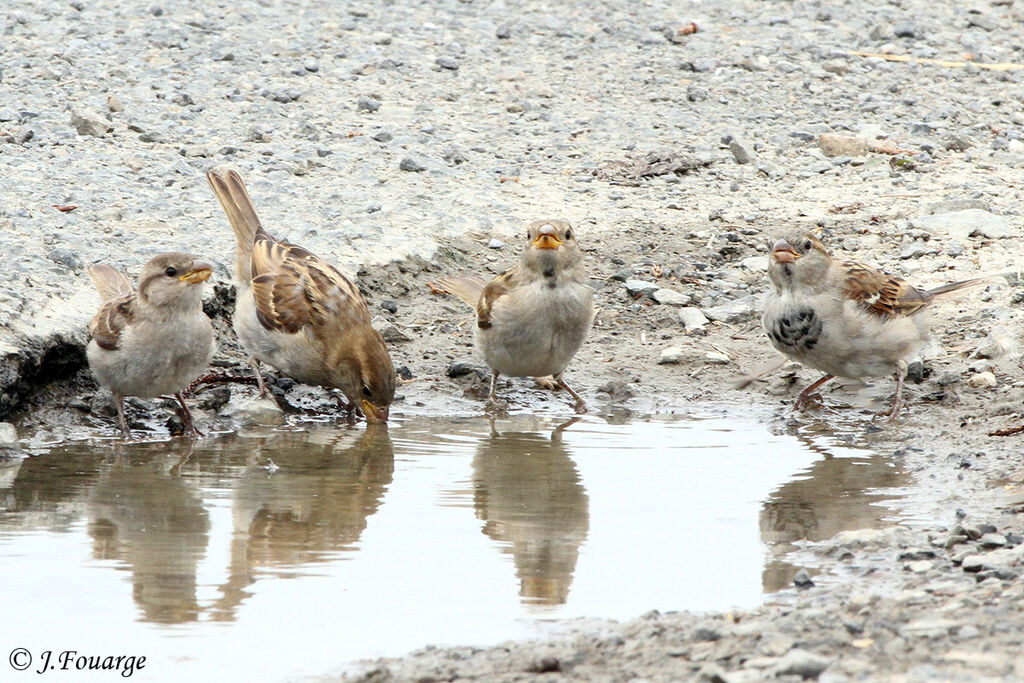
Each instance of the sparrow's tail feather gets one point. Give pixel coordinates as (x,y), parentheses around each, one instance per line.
(227,184)
(956,287)
(110,282)
(466,287)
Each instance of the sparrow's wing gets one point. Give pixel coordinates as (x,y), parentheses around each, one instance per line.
(294,289)
(466,287)
(108,323)
(111,283)
(495,289)
(881,294)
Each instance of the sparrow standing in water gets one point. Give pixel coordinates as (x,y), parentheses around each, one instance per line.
(844,318)
(299,314)
(153,341)
(533,318)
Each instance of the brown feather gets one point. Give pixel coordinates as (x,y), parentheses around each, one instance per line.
(108,323)
(494,290)
(229,188)
(879,293)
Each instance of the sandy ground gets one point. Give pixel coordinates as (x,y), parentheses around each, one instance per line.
(677,156)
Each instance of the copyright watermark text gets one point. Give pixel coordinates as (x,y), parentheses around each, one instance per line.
(22,659)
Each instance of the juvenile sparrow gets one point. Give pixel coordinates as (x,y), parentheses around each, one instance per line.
(153,341)
(299,314)
(844,318)
(532,318)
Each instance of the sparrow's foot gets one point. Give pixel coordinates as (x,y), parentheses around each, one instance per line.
(549,383)
(580,406)
(810,394)
(191,431)
(496,406)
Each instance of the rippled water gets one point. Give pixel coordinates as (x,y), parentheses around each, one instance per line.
(274,554)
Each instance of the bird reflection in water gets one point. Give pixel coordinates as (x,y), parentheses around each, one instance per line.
(528,493)
(834,494)
(152,520)
(315,505)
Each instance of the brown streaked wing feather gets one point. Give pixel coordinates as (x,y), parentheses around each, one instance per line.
(333,299)
(881,294)
(108,323)
(494,290)
(294,288)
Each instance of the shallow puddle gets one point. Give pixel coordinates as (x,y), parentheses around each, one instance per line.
(276,554)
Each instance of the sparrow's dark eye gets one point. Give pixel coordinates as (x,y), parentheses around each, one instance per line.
(366,391)
(171,271)
(807,245)
(568,234)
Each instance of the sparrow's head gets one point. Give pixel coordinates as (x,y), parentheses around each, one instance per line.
(171,279)
(798,260)
(551,247)
(372,375)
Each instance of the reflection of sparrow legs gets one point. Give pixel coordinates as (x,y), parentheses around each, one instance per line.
(186,419)
(805,396)
(581,405)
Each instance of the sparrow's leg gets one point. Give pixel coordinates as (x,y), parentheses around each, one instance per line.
(897,400)
(805,395)
(493,404)
(264,392)
(581,405)
(119,402)
(186,419)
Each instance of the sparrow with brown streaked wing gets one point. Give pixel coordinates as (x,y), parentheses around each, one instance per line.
(153,341)
(533,318)
(299,314)
(843,318)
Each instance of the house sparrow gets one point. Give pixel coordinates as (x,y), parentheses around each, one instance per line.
(844,318)
(153,341)
(533,318)
(299,314)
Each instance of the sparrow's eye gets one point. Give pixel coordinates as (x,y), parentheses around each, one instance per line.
(171,271)
(366,391)
(807,245)
(568,234)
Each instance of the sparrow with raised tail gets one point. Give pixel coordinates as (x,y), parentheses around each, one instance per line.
(844,318)
(531,319)
(299,314)
(155,340)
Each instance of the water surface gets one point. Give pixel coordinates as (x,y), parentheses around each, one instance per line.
(275,554)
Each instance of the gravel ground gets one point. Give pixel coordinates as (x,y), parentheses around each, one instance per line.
(411,139)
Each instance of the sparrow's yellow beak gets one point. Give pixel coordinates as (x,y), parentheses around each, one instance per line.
(373,413)
(783,252)
(199,272)
(547,238)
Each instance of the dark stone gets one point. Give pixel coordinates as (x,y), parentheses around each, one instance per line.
(703,634)
(214,399)
(462,368)
(389,306)
(802,579)
(404,372)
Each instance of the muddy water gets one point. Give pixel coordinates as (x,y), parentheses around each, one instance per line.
(272,554)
